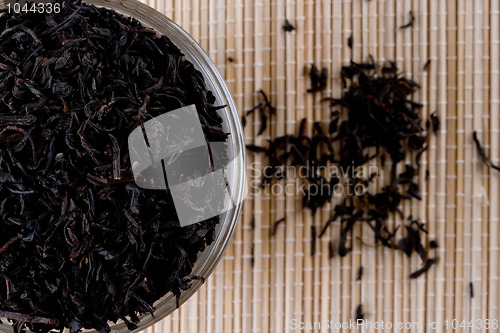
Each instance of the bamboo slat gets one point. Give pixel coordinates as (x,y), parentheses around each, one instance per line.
(441,195)
(279,203)
(290,127)
(359,55)
(249,79)
(322,246)
(369,256)
(262,313)
(238,95)
(460,190)
(400,264)
(494,221)
(469,153)
(258,215)
(477,121)
(345,263)
(420,58)
(339,47)
(299,21)
(484,16)
(308,264)
(229,75)
(451,155)
(379,269)
(389,301)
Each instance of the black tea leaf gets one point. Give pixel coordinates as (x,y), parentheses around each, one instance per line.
(288,27)
(360,315)
(411,22)
(482,154)
(360,273)
(82,244)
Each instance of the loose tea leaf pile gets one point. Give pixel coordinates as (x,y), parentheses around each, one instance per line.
(81,244)
(375,119)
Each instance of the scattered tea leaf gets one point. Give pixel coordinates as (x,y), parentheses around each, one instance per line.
(256,149)
(360,315)
(313,240)
(350,41)
(318,80)
(428,264)
(481,152)
(375,106)
(360,273)
(411,22)
(331,250)
(427,65)
(276,224)
(288,27)
(265,110)
(435,122)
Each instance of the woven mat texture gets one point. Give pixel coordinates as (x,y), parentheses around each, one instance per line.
(266,283)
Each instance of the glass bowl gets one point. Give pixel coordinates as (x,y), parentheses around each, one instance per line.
(208,259)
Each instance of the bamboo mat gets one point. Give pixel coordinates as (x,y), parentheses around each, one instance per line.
(266,283)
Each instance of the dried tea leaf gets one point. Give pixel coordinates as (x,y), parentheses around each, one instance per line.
(81,244)
(288,27)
